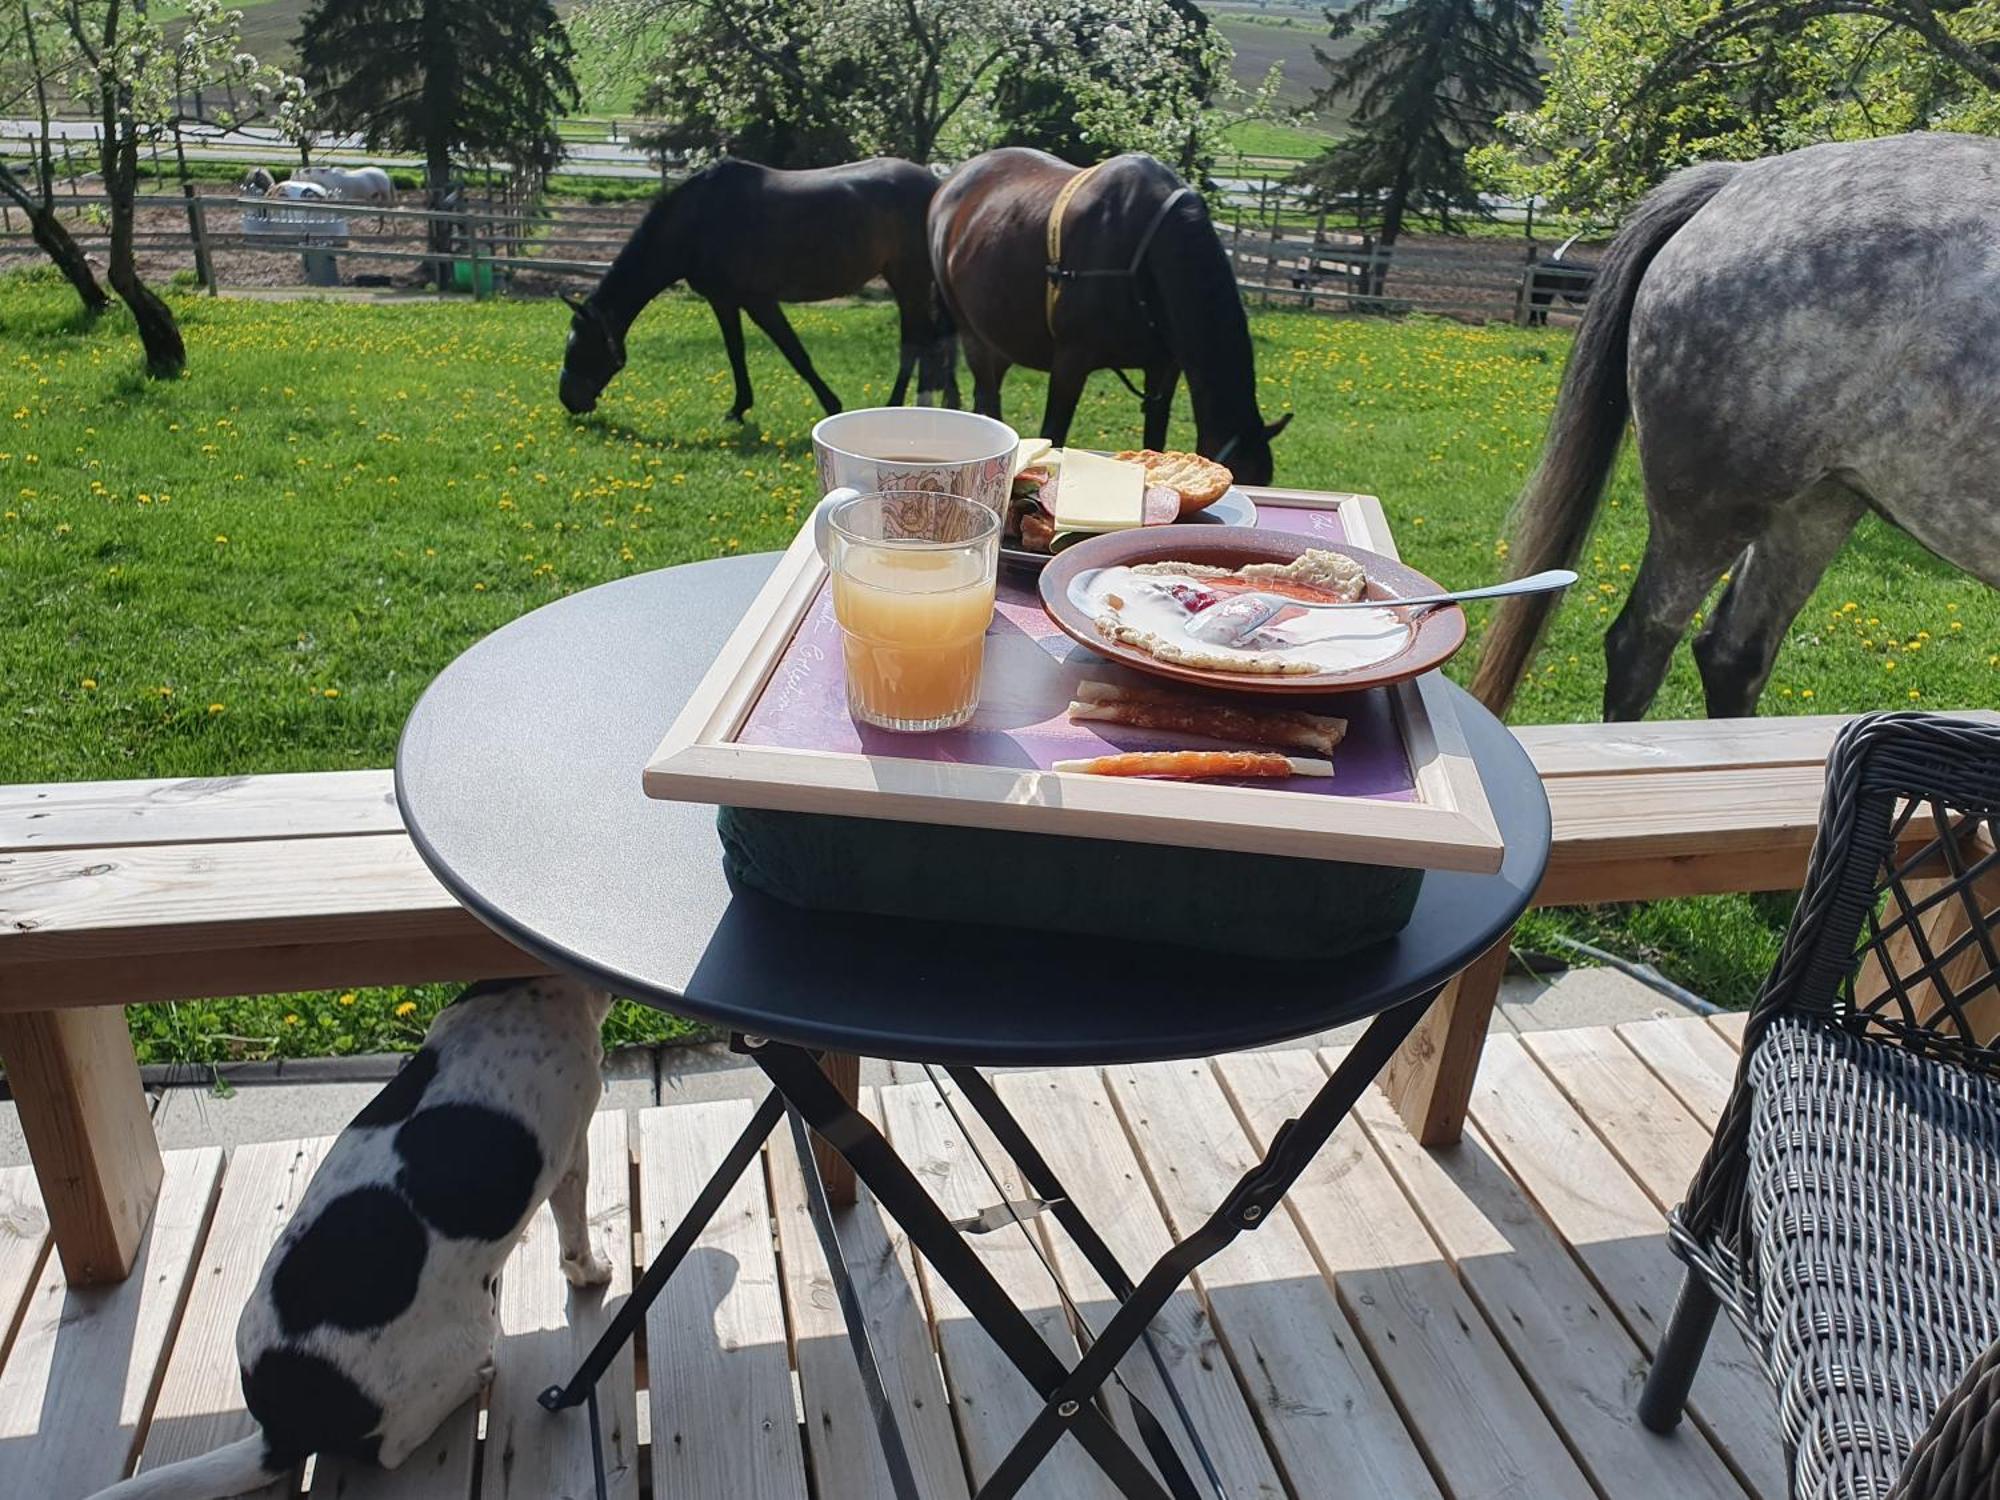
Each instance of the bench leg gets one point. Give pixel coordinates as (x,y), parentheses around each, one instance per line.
(845,1071)
(1429,1080)
(89,1133)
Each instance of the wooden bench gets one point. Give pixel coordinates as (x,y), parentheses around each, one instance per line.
(118,893)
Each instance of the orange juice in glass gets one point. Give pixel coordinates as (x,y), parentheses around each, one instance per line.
(913,578)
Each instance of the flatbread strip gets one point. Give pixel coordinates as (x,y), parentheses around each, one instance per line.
(1196,765)
(1182,713)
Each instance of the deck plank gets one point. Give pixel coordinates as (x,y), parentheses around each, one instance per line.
(1690,1057)
(1570,1345)
(993,1401)
(1651,1132)
(201,1399)
(81,1375)
(846,1451)
(1618,1233)
(546,1328)
(1452,1378)
(1070,1117)
(1331,1423)
(1730,1027)
(724,1425)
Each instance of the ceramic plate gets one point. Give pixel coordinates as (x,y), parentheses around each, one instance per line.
(1233,509)
(1436,638)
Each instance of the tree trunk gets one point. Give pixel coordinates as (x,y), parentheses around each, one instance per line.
(53,236)
(1393,209)
(159,334)
(439,112)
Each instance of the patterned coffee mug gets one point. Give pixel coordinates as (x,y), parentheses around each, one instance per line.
(938,451)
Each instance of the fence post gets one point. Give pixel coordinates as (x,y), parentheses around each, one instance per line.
(472,256)
(204,268)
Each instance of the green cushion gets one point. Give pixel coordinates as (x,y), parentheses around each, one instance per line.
(1264,905)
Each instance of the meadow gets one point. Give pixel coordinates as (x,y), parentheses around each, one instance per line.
(258,567)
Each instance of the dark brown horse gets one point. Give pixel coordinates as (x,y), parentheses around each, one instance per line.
(747,238)
(1141,283)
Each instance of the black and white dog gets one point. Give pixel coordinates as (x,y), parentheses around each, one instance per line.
(375,1316)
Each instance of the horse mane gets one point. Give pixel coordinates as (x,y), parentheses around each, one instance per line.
(1196,295)
(652,260)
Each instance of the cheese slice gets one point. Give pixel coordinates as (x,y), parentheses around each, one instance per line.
(1099,494)
(1027,451)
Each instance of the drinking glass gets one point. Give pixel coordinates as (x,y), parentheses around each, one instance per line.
(913,578)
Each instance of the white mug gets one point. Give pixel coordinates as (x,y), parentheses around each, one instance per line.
(929,448)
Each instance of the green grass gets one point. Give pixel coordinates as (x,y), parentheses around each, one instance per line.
(1286,142)
(257,568)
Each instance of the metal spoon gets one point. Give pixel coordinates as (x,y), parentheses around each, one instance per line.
(1234,622)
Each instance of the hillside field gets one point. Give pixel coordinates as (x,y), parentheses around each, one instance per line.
(257,568)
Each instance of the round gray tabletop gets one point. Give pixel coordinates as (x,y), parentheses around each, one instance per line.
(518,775)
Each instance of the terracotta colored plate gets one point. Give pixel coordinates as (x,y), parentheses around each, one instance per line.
(1436,639)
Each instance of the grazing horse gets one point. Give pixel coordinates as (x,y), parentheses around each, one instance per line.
(256,183)
(1797,340)
(746,238)
(1112,267)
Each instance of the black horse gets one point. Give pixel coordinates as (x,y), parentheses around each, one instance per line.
(748,237)
(1137,280)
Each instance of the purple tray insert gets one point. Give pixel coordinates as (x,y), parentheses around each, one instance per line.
(1032,669)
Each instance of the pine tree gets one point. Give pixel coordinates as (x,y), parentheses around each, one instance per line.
(455,79)
(1428,82)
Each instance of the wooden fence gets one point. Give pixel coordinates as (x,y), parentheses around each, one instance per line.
(1278,262)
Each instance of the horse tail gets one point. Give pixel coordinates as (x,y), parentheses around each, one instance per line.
(1553,517)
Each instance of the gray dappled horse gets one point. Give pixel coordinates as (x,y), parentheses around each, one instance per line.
(746,238)
(1797,341)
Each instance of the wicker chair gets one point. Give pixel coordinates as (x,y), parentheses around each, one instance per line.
(1848,1212)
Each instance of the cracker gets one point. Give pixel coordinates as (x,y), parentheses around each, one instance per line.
(1199,481)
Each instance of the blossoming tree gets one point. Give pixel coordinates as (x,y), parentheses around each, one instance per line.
(803,82)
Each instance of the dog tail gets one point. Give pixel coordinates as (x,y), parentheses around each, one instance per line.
(235,1470)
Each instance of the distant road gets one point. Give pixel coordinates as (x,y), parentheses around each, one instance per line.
(262,144)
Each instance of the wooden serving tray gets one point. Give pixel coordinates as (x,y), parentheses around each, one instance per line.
(768,728)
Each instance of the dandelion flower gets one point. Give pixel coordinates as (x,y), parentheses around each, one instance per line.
(348,998)
(215,708)
(90,684)
(330,693)
(407,1008)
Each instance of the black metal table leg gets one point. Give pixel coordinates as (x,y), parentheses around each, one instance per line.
(888,1429)
(581,1387)
(1042,1180)
(1248,1205)
(795,1073)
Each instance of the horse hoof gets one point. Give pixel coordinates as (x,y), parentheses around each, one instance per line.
(737,414)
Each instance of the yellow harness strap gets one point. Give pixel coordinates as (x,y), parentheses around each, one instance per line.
(1061,207)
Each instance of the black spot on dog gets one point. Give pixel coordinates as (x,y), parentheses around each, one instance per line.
(306,1405)
(355,1267)
(469,1170)
(401,1095)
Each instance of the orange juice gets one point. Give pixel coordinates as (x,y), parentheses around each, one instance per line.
(913,625)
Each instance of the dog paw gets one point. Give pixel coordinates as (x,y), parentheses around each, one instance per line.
(591,1270)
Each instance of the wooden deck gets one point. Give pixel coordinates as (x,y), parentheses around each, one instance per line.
(1421,1326)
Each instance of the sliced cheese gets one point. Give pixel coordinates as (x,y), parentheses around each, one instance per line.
(1027,451)
(1099,493)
